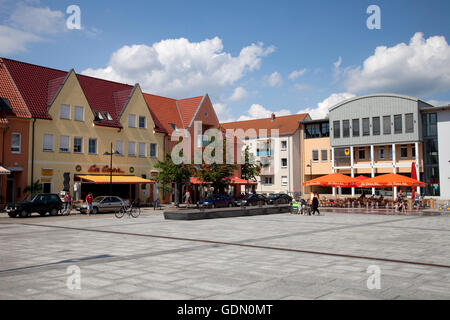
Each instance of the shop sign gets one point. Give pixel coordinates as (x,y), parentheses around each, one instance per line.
(104,169)
(47,172)
(78,168)
(45,180)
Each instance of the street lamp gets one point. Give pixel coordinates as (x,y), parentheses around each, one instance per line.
(110,167)
(310,172)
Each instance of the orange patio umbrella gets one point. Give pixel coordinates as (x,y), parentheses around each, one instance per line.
(361,178)
(391,180)
(332,180)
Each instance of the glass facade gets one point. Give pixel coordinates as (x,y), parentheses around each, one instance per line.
(430,154)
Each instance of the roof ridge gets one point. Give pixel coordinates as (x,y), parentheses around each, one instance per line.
(106,80)
(269,118)
(33,64)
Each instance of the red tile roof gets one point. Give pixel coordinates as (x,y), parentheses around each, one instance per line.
(9,90)
(188,108)
(165,110)
(286,125)
(39,85)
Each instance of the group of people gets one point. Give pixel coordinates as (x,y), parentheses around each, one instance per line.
(68,203)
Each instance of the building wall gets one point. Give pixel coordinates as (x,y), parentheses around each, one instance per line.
(60,162)
(444,153)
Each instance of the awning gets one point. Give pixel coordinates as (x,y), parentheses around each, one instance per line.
(105,179)
(4,170)
(391,180)
(332,180)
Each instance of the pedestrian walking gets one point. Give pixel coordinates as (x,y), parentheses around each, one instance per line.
(89,199)
(315,204)
(187,197)
(67,204)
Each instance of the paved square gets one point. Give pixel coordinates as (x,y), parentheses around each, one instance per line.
(262,257)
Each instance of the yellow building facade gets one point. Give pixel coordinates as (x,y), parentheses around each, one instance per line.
(71,145)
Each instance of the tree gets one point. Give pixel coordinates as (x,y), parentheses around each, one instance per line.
(36,187)
(172,173)
(249,169)
(216,174)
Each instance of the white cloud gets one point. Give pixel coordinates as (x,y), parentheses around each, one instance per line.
(178,67)
(239,94)
(421,67)
(257,111)
(302,87)
(274,80)
(321,111)
(439,103)
(297,73)
(13,40)
(38,20)
(223,112)
(338,63)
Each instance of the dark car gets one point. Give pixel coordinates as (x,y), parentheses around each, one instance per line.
(252,200)
(216,201)
(41,203)
(279,198)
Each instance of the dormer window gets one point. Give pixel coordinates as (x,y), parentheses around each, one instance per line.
(173,126)
(99,116)
(108,116)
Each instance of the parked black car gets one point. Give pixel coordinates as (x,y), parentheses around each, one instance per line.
(252,200)
(279,198)
(216,201)
(41,203)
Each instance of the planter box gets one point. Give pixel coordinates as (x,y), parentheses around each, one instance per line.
(196,214)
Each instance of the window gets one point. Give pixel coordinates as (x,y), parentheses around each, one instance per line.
(355,127)
(64,111)
(174,126)
(403,151)
(15,142)
(346,128)
(387,125)
(132,120)
(46,187)
(324,153)
(366,127)
(409,123)
(362,154)
(325,129)
(48,142)
(92,146)
(132,149)
(398,123)
(381,154)
(142,122)
(336,129)
(284,181)
(153,150)
(268,180)
(119,147)
(284,163)
(108,116)
(376,126)
(143,186)
(64,143)
(315,155)
(283,145)
(390,152)
(98,115)
(142,148)
(77,145)
(413,151)
(78,113)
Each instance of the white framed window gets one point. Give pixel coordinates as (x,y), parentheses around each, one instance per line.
(48,143)
(284,162)
(142,122)
(268,180)
(77,145)
(315,155)
(119,147)
(46,187)
(132,149)
(64,111)
(16,141)
(64,143)
(132,120)
(404,151)
(381,154)
(284,180)
(324,155)
(78,113)
(142,146)
(92,148)
(108,116)
(153,150)
(284,145)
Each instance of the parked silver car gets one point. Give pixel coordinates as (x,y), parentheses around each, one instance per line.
(105,204)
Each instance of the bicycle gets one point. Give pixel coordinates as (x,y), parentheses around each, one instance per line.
(130,210)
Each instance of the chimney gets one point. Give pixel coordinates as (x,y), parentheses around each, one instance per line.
(273,116)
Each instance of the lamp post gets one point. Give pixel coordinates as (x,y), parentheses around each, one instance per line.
(110,167)
(310,172)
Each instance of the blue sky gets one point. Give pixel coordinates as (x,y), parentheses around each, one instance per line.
(243,53)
